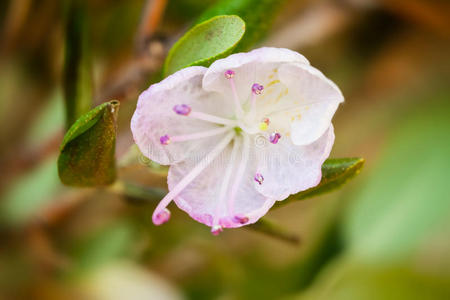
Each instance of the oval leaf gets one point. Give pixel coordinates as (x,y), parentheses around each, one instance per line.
(258,16)
(335,172)
(205,42)
(88,148)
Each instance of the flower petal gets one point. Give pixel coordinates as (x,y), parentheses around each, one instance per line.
(288,168)
(154,116)
(201,199)
(257,66)
(314,99)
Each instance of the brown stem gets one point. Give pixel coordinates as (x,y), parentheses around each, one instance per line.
(153,13)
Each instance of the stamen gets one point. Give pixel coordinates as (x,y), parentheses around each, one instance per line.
(229,74)
(274,137)
(211,118)
(191,176)
(259,178)
(182,109)
(164,140)
(216,229)
(162,217)
(257,89)
(241,219)
(239,173)
(198,135)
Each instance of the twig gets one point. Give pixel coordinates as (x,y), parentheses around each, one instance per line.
(269,228)
(313,25)
(138,71)
(153,13)
(151,50)
(17,13)
(138,194)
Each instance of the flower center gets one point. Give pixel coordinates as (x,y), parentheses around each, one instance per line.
(248,122)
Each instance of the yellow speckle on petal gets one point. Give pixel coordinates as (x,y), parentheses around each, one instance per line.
(273,74)
(272,83)
(281,95)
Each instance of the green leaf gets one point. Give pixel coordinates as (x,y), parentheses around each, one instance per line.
(335,172)
(406,197)
(88,148)
(77,76)
(350,280)
(258,16)
(204,43)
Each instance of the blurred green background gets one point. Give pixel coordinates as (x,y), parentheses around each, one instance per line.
(384,235)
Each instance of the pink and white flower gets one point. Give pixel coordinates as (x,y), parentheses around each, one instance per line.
(251,129)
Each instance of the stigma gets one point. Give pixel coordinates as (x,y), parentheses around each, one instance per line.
(216,229)
(162,217)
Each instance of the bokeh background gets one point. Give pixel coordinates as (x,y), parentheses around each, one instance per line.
(384,235)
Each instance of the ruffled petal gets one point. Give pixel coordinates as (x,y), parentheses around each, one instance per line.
(257,66)
(154,116)
(202,200)
(288,168)
(312,101)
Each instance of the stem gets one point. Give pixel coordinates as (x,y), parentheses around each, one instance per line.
(268,227)
(142,194)
(77,64)
(154,11)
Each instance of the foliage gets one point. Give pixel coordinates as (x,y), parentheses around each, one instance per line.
(335,173)
(257,14)
(382,236)
(88,148)
(206,42)
(77,63)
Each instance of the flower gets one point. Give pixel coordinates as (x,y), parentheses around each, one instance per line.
(251,129)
